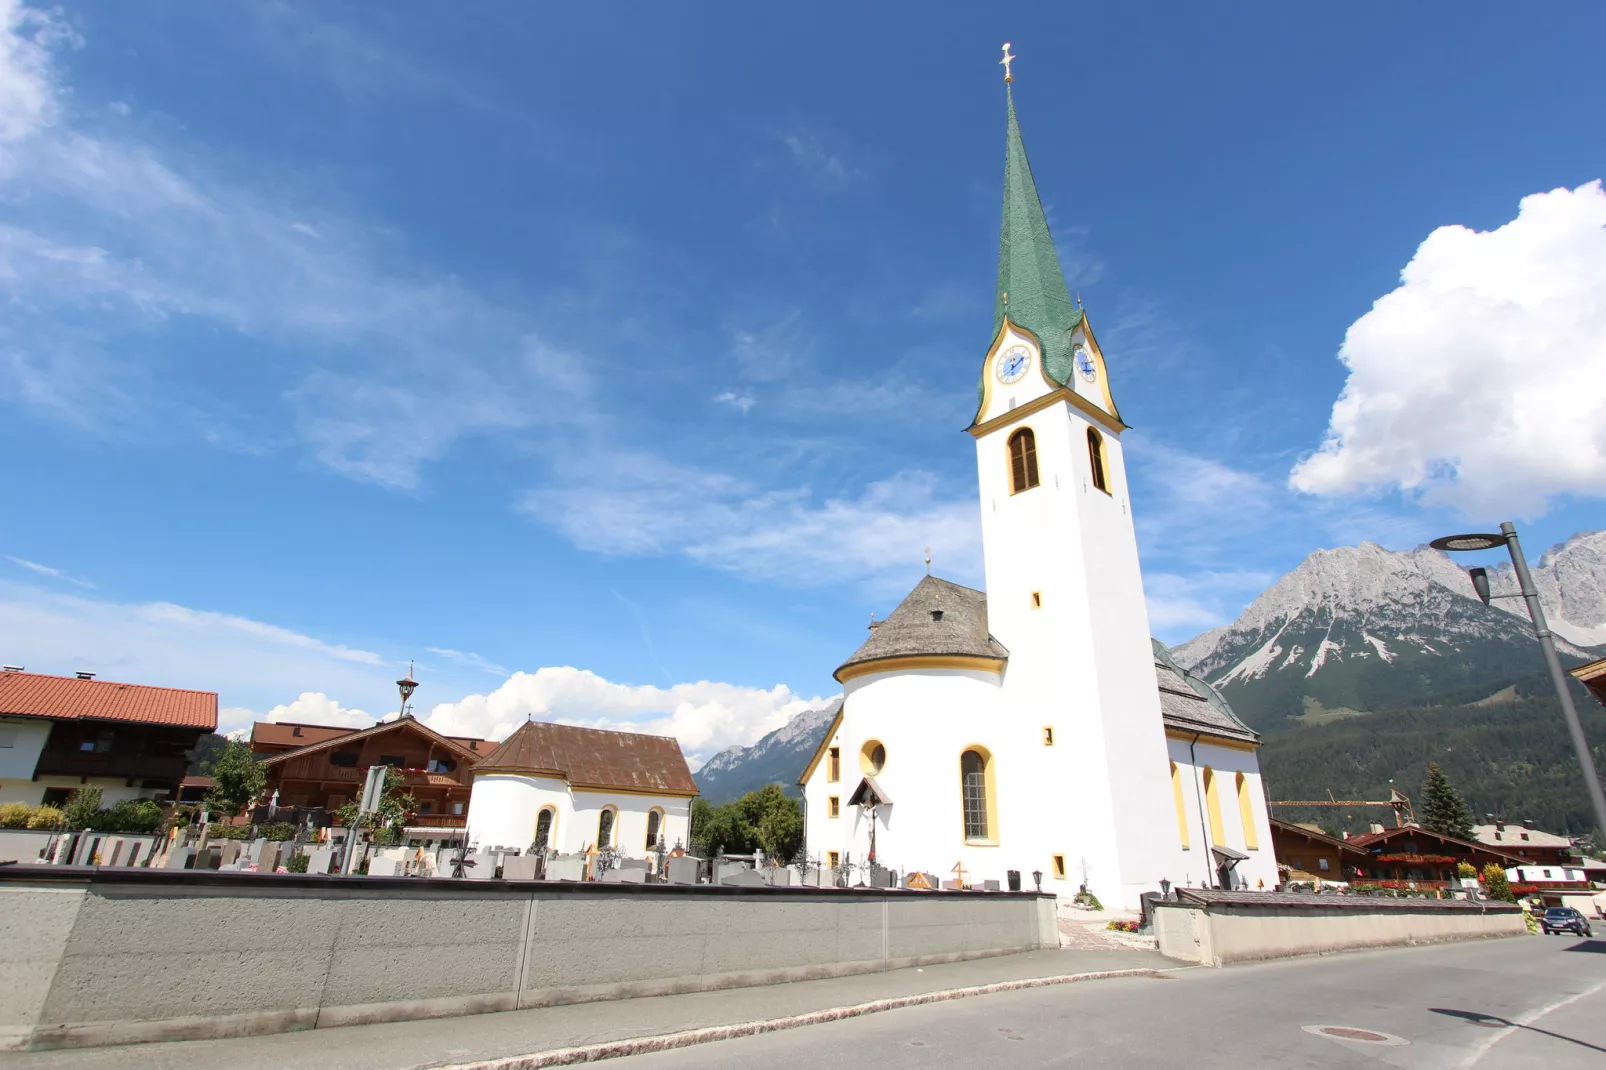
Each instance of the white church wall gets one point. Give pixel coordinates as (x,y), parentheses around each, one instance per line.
(1260,869)
(503,809)
(630,820)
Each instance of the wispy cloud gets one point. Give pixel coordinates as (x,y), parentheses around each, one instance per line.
(46,570)
(818,158)
(471,661)
(742,401)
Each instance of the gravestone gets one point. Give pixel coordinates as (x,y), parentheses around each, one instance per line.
(780,877)
(625,876)
(484,867)
(209,858)
(253,850)
(989,886)
(744,878)
(266,857)
(84,852)
(384,867)
(730,869)
(521,868)
(111,850)
(231,851)
(320,860)
(636,863)
(881,877)
(566,868)
(180,858)
(952,886)
(683,870)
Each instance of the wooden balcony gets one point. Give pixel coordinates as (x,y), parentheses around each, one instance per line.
(128,766)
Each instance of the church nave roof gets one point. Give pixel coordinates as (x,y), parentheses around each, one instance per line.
(937,619)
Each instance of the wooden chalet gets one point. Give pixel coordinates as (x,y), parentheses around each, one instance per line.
(328,772)
(1412,854)
(1311,855)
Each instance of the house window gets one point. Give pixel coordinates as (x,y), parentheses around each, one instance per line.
(1246,813)
(1213,805)
(99,743)
(543,827)
(1322,864)
(605,828)
(975,785)
(1048,735)
(1059,867)
(457,809)
(833,859)
(1037,599)
(1182,810)
(655,821)
(426,808)
(394,760)
(346,759)
(833,765)
(1095,459)
(872,757)
(440,765)
(56,797)
(295,730)
(1022,460)
(833,806)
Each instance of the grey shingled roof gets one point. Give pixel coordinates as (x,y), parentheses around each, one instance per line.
(913,631)
(1188,704)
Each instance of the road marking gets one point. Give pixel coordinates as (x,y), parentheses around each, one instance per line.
(1529,1019)
(613,1049)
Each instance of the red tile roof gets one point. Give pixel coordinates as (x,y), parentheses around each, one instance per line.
(283,733)
(66,698)
(593,758)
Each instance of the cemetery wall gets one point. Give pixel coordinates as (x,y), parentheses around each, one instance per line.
(92,957)
(1215,933)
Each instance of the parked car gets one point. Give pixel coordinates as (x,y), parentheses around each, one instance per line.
(1563,920)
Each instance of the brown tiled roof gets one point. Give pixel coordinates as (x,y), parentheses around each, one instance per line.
(1189,704)
(197,782)
(67,698)
(379,729)
(593,758)
(283,733)
(1368,839)
(936,618)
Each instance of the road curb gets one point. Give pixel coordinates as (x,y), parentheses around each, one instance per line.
(613,1049)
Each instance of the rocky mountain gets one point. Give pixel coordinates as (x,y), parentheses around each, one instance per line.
(778,758)
(1360,629)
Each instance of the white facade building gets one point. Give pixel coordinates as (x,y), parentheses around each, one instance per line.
(572,789)
(1037,727)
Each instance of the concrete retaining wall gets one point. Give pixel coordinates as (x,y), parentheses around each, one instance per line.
(1216,932)
(91,957)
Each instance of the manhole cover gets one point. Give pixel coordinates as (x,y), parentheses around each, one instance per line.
(1360,1036)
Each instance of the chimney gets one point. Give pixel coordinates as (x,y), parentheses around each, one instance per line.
(1500,826)
(1528,823)
(10,668)
(82,675)
(1376,827)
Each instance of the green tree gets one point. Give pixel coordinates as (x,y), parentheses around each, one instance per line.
(82,809)
(719,830)
(385,822)
(767,820)
(1444,811)
(1494,881)
(239,779)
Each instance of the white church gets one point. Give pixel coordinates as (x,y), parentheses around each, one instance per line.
(1037,726)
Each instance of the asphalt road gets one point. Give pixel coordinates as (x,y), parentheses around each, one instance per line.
(1508,1004)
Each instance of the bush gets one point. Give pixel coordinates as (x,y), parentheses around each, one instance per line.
(46,817)
(82,808)
(228,832)
(15,815)
(297,863)
(1494,880)
(1466,869)
(279,832)
(138,816)
(1085,898)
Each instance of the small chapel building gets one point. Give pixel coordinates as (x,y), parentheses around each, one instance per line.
(570,790)
(1037,726)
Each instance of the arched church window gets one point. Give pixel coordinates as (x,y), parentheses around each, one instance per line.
(1246,814)
(605,825)
(1182,809)
(655,821)
(1095,459)
(1022,460)
(1213,805)
(976,790)
(543,827)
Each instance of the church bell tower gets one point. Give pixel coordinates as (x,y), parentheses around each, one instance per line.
(1064,586)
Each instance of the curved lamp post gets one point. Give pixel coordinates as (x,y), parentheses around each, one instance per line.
(1480,583)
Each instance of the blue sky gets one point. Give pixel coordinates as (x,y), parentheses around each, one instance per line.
(636,346)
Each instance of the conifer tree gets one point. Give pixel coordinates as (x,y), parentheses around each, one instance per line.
(1444,811)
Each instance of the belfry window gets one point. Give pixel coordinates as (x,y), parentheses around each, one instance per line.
(1095,459)
(975,792)
(1022,460)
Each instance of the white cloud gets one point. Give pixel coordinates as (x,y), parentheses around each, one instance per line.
(314,707)
(1477,383)
(28,100)
(705,717)
(469,660)
(742,401)
(46,570)
(642,505)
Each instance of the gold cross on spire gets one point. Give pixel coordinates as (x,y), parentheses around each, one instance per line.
(1006,61)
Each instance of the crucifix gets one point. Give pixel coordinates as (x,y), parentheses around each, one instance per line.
(1006,61)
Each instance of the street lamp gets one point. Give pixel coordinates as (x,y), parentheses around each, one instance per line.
(406,685)
(1547,644)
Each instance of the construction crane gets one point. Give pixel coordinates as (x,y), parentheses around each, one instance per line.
(1398,801)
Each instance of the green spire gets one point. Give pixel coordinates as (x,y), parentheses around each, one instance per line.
(1031,286)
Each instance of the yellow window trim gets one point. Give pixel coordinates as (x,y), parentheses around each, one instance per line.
(1182,808)
(833,806)
(1048,735)
(1246,813)
(990,780)
(1059,867)
(1213,806)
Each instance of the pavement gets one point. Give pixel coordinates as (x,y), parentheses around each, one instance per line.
(1515,1004)
(456,1041)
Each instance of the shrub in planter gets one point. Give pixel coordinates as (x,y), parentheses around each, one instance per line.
(297,863)
(15,815)
(46,817)
(139,816)
(83,808)
(229,832)
(279,832)
(1085,898)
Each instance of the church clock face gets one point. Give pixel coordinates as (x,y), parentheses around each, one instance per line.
(1012,364)
(1084,363)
